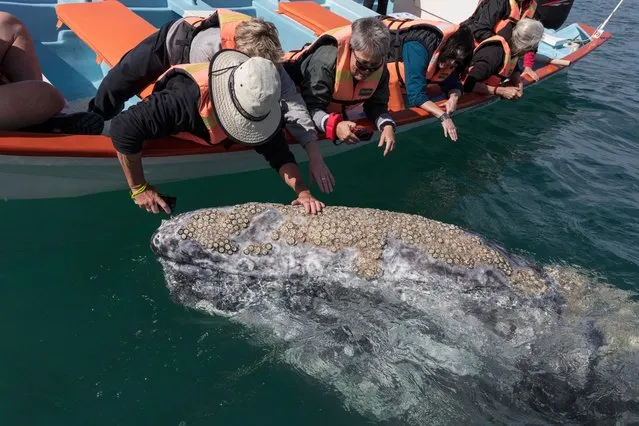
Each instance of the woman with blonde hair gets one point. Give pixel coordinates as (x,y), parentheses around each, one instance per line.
(257,37)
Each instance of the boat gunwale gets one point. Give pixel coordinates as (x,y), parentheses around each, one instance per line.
(100,146)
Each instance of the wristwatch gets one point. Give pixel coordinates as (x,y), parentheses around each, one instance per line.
(444,117)
(387,123)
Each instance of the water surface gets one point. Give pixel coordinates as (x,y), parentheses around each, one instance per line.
(90,336)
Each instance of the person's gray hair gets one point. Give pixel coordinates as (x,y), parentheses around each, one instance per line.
(526,36)
(257,37)
(369,35)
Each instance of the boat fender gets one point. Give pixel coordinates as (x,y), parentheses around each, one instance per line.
(331,125)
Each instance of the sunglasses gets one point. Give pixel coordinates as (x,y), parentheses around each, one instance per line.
(366,66)
(456,63)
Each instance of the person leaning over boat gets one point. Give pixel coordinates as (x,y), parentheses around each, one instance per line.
(430,52)
(196,40)
(27,103)
(497,17)
(342,70)
(496,60)
(237,100)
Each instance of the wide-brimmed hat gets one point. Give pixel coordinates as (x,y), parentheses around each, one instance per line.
(245,93)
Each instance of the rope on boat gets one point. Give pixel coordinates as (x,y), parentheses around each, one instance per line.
(600,29)
(597,33)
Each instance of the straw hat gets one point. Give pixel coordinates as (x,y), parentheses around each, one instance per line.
(245,93)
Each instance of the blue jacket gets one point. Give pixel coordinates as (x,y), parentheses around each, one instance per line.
(416,59)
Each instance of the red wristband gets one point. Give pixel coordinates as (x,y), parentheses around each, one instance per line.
(331,125)
(529,59)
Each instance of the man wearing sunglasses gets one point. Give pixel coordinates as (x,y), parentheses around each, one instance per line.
(343,77)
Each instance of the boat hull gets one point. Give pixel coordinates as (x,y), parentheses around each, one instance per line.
(53,166)
(34,177)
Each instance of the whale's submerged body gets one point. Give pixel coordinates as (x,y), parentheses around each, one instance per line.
(411,320)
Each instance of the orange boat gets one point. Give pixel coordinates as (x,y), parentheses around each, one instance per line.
(79,42)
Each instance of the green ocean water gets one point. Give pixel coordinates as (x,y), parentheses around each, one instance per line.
(89,335)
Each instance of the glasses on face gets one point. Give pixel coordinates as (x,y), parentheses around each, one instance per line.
(455,63)
(364,66)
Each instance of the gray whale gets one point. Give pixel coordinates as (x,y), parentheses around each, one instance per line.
(410,320)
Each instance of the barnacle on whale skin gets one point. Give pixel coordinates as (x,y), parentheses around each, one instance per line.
(368,231)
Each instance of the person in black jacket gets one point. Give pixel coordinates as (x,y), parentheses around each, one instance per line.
(241,104)
(489,13)
(488,60)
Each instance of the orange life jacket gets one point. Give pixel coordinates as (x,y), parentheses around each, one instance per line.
(200,74)
(509,65)
(187,28)
(515,15)
(434,74)
(530,10)
(346,93)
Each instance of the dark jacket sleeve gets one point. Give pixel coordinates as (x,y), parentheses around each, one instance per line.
(276,151)
(171,110)
(175,109)
(486,62)
(318,80)
(488,13)
(452,82)
(376,107)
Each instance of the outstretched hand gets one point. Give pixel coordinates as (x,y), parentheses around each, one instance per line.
(510,93)
(310,203)
(344,132)
(528,71)
(387,137)
(449,129)
(320,173)
(151,201)
(451,104)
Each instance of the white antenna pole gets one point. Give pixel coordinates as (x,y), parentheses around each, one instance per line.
(599,31)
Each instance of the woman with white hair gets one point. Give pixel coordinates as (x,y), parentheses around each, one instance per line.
(498,17)
(496,60)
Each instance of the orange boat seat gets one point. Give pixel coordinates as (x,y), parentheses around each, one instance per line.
(313,16)
(108,27)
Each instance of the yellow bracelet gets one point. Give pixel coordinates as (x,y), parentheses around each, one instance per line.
(139,190)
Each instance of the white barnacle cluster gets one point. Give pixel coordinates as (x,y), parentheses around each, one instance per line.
(338,228)
(214,229)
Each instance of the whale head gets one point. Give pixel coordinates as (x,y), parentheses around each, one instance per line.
(410,320)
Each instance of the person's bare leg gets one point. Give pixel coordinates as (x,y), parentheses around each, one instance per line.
(25,100)
(28,103)
(18,60)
